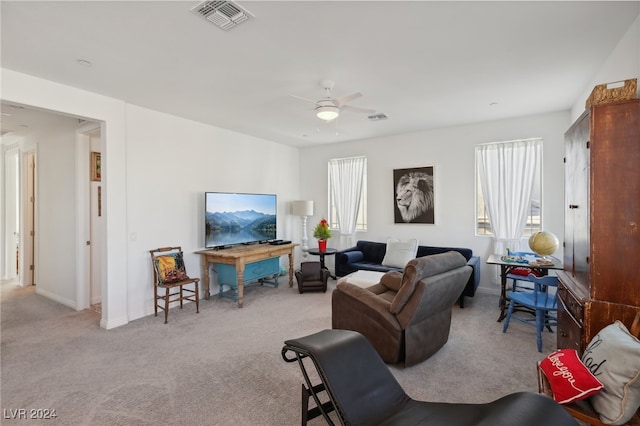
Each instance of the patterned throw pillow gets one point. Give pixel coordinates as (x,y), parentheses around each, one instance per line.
(568,377)
(613,356)
(170,268)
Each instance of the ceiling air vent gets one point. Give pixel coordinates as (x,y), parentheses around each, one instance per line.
(224,14)
(377,117)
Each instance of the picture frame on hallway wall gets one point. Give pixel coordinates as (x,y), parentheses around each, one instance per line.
(96,166)
(414,195)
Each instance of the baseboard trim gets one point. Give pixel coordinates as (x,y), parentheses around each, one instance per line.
(56,298)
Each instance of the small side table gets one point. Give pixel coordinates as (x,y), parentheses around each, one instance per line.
(322,254)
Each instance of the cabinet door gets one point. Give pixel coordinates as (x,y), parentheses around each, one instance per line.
(615,202)
(576,249)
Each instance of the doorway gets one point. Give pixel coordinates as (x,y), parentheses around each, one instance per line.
(90,217)
(10,226)
(41,202)
(19,198)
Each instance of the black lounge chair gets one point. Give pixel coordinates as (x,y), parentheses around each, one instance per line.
(356,388)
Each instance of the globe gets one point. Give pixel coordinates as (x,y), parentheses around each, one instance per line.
(543,243)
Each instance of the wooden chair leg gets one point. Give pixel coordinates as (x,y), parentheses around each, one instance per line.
(181,297)
(505,326)
(155,300)
(197,299)
(539,327)
(166,305)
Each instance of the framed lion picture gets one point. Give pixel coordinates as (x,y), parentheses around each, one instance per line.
(413,195)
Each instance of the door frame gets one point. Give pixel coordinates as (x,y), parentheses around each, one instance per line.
(83,215)
(29,218)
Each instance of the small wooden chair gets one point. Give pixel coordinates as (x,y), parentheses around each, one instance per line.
(541,301)
(168,273)
(583,410)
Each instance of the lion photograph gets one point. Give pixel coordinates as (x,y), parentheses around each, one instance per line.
(414,199)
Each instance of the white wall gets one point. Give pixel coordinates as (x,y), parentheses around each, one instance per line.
(622,64)
(451,152)
(155,168)
(171,162)
(55,209)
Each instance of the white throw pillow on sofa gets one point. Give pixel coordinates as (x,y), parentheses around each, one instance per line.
(399,253)
(613,356)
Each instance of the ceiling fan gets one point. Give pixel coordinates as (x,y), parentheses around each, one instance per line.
(329,108)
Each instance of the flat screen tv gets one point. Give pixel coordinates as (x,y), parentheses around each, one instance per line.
(233,218)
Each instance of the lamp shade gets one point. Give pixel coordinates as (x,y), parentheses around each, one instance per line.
(302,208)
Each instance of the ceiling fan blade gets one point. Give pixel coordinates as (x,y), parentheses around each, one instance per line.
(342,100)
(304,99)
(358,109)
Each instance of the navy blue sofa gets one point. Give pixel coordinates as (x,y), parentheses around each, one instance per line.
(368,255)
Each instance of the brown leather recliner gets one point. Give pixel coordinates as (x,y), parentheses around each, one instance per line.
(406,316)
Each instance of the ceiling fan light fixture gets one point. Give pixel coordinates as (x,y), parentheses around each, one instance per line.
(327,112)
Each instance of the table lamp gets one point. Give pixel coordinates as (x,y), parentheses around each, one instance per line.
(304,209)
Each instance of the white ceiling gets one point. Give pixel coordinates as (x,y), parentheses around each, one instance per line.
(425,64)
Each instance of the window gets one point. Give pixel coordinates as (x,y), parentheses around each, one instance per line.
(534,214)
(359,164)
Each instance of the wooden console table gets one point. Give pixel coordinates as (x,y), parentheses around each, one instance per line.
(240,256)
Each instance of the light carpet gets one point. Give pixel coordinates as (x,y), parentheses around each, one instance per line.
(223,365)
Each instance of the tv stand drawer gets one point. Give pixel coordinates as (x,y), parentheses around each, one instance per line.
(252,272)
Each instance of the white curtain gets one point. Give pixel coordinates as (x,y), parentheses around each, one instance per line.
(346,177)
(507,171)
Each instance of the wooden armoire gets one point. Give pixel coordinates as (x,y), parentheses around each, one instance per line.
(600,282)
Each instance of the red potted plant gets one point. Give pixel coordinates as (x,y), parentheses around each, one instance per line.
(322,233)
